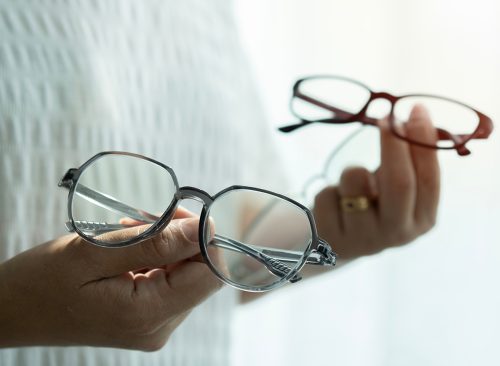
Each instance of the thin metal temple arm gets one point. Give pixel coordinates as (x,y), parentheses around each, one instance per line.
(274,265)
(112,204)
(94,228)
(282,255)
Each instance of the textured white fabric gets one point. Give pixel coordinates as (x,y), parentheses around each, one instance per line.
(163,78)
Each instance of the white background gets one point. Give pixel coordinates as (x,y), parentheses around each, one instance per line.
(436,301)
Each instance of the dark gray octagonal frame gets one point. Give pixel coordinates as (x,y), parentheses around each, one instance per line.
(318,251)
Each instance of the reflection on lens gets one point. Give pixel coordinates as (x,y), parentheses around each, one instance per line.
(452,117)
(344,96)
(257,253)
(117,192)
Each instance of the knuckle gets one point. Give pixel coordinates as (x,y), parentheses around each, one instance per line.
(145,343)
(142,324)
(160,246)
(152,344)
(151,329)
(399,235)
(427,224)
(353,174)
(396,239)
(79,252)
(78,247)
(215,284)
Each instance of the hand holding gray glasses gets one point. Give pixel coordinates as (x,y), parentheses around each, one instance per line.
(111,192)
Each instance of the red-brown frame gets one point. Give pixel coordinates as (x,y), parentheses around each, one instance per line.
(482,131)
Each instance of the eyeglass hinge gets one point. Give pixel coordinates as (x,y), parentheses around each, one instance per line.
(68,179)
(328,256)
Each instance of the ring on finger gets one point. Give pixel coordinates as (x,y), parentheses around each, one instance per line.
(355,203)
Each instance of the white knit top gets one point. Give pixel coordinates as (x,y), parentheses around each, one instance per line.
(162,78)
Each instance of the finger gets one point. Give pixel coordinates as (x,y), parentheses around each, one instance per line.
(192,282)
(426,165)
(327,214)
(180,289)
(178,241)
(356,182)
(127,221)
(183,213)
(395,180)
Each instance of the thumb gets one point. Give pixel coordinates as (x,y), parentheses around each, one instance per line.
(178,241)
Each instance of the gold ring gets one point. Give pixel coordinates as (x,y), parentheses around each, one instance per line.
(354,204)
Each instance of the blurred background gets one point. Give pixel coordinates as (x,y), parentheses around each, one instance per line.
(436,301)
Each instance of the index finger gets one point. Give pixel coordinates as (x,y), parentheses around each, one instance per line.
(426,165)
(396,180)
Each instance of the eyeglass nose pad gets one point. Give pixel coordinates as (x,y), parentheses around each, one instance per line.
(193,193)
(462,150)
(457,140)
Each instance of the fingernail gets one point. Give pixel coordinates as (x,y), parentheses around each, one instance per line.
(418,112)
(190,229)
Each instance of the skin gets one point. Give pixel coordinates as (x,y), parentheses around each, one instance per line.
(404,195)
(404,192)
(74,293)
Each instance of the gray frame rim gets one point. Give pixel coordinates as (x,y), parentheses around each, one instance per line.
(167,215)
(310,247)
(153,229)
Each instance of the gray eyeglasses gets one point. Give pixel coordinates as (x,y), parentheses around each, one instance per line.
(117,190)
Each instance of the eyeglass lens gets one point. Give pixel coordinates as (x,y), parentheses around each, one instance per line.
(273,247)
(119,191)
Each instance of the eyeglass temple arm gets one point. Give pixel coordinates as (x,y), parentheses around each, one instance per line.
(339,114)
(274,265)
(344,116)
(259,253)
(284,255)
(109,203)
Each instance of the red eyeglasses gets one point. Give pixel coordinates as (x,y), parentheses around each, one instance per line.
(336,99)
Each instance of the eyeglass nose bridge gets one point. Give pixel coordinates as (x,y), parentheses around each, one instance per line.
(382,95)
(374,97)
(194,193)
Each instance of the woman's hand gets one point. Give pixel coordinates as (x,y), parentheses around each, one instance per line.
(70,292)
(403,195)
